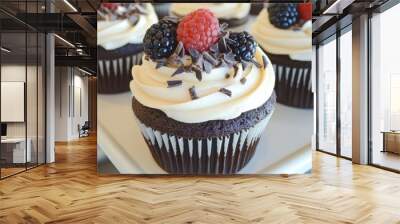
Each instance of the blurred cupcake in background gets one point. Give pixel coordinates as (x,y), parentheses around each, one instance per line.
(120,31)
(256,8)
(162,9)
(284,31)
(235,15)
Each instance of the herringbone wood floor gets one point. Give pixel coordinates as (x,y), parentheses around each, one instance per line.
(70,191)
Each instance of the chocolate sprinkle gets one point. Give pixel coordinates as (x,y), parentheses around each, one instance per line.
(223,26)
(179,48)
(133,19)
(194,54)
(244,65)
(256,63)
(207,66)
(192,93)
(265,61)
(229,58)
(222,63)
(160,64)
(171,18)
(200,61)
(243,80)
(179,70)
(214,48)
(182,53)
(174,83)
(210,58)
(230,41)
(235,68)
(226,92)
(222,45)
(198,73)
(123,11)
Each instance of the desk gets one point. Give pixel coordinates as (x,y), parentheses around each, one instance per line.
(391,141)
(16,153)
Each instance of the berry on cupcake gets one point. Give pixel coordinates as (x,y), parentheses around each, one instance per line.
(283,15)
(199,36)
(160,40)
(305,11)
(198,30)
(243,45)
(288,15)
(234,14)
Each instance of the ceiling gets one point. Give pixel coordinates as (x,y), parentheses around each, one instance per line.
(330,16)
(74,21)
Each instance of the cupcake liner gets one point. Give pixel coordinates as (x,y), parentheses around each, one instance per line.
(115,74)
(206,156)
(293,83)
(293,86)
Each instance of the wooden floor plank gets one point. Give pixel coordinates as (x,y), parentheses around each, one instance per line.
(71,191)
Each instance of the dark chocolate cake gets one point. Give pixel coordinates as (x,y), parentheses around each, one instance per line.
(158,120)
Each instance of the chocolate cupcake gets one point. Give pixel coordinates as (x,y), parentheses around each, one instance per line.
(284,32)
(203,104)
(256,8)
(162,9)
(234,14)
(120,31)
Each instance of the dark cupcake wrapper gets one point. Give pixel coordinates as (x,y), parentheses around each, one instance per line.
(256,8)
(293,83)
(115,74)
(204,156)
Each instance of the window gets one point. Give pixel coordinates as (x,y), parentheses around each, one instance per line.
(22,78)
(327,97)
(385,90)
(346,93)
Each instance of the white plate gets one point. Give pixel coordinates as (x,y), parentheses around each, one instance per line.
(284,148)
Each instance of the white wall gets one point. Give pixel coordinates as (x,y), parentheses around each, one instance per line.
(12,73)
(62,81)
(71,94)
(33,127)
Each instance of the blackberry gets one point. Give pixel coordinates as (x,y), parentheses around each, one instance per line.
(283,15)
(160,39)
(243,45)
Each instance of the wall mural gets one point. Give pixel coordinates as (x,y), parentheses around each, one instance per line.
(204,89)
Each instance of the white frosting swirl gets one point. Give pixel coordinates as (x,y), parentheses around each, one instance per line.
(220,10)
(149,86)
(114,34)
(295,43)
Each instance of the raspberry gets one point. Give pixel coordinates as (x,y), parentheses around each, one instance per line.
(244,46)
(305,11)
(283,15)
(111,6)
(198,30)
(160,39)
